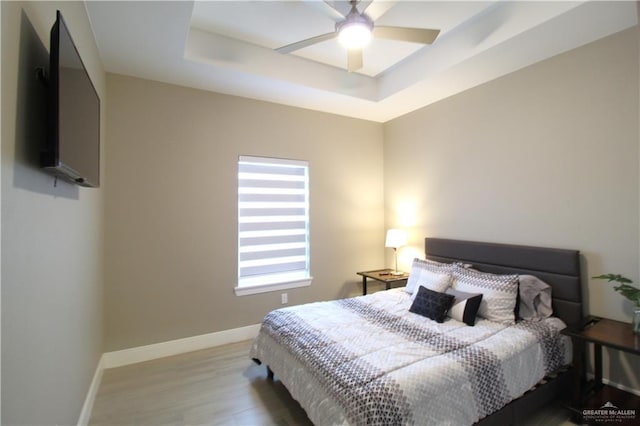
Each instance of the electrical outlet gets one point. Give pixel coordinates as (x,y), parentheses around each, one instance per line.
(284,298)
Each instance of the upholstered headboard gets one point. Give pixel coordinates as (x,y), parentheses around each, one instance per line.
(557,267)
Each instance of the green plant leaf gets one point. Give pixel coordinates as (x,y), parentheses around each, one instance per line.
(614,277)
(630,292)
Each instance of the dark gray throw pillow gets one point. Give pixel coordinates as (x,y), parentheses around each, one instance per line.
(431,304)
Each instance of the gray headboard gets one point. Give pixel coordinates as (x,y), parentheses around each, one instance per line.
(559,268)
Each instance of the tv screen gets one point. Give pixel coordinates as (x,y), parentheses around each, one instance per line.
(73,146)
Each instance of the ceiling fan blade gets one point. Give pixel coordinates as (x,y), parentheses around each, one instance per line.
(305,43)
(377,8)
(326,9)
(354,59)
(414,35)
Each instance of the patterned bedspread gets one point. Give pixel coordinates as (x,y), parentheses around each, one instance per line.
(369,361)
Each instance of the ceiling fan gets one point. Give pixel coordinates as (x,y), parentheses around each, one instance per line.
(355,30)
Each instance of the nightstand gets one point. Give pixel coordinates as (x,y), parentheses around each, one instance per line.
(591,396)
(385,276)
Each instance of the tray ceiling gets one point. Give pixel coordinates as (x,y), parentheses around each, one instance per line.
(227,47)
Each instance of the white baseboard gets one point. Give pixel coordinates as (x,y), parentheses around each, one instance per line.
(87,407)
(621,387)
(616,385)
(160,350)
(179,346)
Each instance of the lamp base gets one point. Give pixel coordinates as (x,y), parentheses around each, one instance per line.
(397,273)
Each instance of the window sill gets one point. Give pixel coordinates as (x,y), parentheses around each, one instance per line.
(265,288)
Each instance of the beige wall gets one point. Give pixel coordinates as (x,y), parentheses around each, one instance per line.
(544,156)
(51,236)
(171,206)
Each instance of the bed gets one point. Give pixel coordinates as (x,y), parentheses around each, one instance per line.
(368,360)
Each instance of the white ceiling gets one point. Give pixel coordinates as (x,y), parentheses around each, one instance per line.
(227,47)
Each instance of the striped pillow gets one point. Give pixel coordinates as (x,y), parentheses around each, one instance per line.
(432,275)
(465,306)
(499,292)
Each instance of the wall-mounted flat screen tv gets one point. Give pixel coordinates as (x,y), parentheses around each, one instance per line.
(72,149)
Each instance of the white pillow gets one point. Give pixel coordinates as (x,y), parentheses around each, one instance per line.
(427,272)
(433,281)
(499,292)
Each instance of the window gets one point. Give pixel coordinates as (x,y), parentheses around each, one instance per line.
(273,224)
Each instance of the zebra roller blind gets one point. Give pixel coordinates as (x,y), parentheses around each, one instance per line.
(273,221)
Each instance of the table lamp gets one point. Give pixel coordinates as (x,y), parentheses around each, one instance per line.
(396,238)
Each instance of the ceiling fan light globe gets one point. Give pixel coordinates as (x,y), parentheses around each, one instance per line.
(354,35)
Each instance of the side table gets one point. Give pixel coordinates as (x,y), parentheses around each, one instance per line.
(385,276)
(591,396)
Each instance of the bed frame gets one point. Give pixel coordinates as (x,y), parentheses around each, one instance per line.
(559,268)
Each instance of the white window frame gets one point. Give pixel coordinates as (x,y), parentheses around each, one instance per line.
(260,274)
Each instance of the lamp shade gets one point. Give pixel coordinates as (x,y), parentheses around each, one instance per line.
(395,238)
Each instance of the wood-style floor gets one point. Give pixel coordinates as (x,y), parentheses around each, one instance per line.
(218,386)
